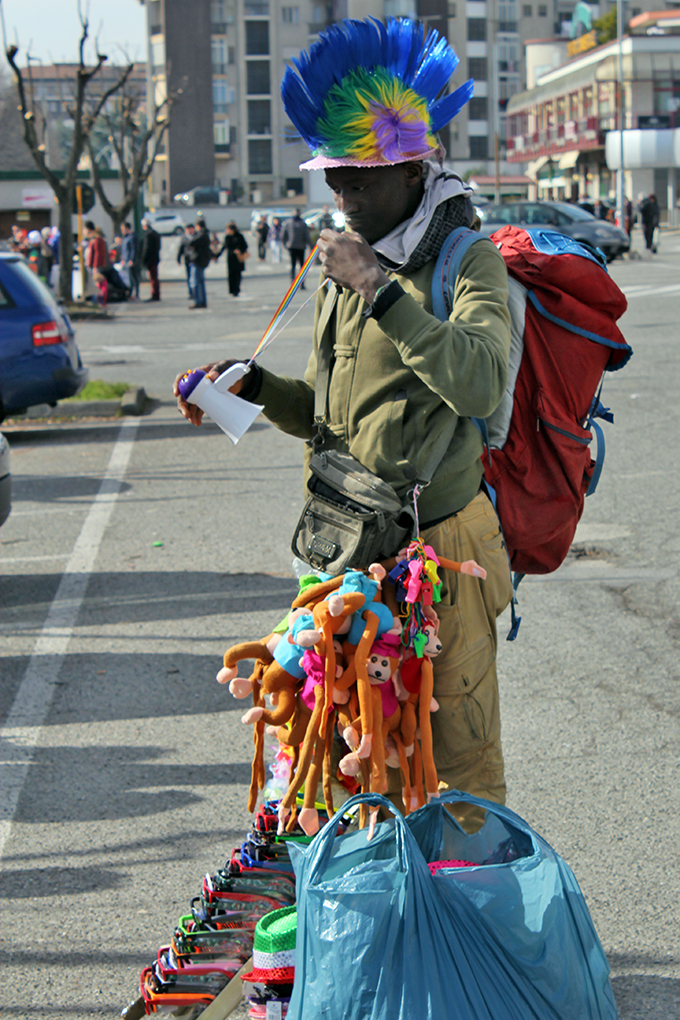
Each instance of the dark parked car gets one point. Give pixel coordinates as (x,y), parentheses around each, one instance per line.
(39,360)
(203,196)
(560,216)
(5,481)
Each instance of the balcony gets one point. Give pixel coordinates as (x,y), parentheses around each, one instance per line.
(586,133)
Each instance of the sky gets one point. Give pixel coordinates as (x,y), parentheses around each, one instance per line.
(52,29)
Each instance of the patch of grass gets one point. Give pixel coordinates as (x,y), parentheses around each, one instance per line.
(97,389)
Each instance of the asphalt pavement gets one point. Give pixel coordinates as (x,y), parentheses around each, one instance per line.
(138,550)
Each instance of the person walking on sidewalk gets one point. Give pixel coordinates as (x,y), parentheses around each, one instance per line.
(262,232)
(296,238)
(200,256)
(236,248)
(183,254)
(129,256)
(650,216)
(275,239)
(150,257)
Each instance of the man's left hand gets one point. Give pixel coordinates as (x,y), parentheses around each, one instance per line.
(348,260)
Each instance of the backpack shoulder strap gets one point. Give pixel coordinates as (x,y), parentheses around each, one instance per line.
(447,268)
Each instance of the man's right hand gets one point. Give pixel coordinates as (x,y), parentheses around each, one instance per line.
(192,412)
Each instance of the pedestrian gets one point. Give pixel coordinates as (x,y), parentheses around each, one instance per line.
(275,239)
(628,216)
(102,288)
(237,252)
(401,377)
(296,238)
(150,256)
(200,256)
(262,232)
(326,221)
(649,211)
(45,256)
(32,253)
(96,253)
(129,257)
(183,252)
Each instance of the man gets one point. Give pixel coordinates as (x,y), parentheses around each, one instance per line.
(150,256)
(650,216)
(129,258)
(262,232)
(326,221)
(183,251)
(200,256)
(400,377)
(237,252)
(96,254)
(296,238)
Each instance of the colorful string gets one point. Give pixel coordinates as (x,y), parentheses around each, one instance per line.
(271,329)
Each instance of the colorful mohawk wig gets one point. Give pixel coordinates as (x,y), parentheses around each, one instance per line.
(367,94)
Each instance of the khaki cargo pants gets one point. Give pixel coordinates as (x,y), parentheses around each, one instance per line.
(466,730)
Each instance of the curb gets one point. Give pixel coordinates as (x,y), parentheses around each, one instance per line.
(133,402)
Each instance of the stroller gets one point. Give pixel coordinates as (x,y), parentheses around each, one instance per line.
(117,289)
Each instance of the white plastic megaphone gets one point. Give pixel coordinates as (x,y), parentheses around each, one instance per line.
(233,415)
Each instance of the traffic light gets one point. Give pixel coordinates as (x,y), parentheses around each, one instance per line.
(88,196)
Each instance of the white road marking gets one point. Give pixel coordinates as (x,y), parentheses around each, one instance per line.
(34,559)
(631,292)
(21,733)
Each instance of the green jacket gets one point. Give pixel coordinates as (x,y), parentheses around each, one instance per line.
(397,381)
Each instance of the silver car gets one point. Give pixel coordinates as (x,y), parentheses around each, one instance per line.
(5,481)
(563,217)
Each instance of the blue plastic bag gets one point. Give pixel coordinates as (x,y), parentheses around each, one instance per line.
(380,938)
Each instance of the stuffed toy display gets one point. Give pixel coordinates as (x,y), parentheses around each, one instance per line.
(351,664)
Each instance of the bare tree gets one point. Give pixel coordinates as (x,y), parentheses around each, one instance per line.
(136,142)
(84,111)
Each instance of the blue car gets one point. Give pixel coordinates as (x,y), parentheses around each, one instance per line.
(39,360)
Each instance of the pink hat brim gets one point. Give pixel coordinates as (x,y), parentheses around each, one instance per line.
(326,162)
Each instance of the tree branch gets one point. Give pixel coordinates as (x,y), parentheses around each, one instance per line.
(29,131)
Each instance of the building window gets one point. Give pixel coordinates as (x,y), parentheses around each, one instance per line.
(477,68)
(401,9)
(218,49)
(218,12)
(527,11)
(320,14)
(476,29)
(259,117)
(257,77)
(477,108)
(158,55)
(290,15)
(222,96)
(507,16)
(256,6)
(259,156)
(452,10)
(507,55)
(543,10)
(257,38)
(221,132)
(478,147)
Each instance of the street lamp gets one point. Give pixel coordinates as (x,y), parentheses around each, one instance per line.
(619,111)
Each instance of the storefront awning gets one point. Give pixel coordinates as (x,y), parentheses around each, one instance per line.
(568,160)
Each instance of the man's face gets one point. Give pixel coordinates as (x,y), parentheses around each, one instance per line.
(376,199)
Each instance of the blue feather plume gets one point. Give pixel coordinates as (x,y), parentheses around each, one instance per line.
(423,62)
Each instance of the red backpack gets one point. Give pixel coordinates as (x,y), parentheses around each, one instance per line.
(564,307)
